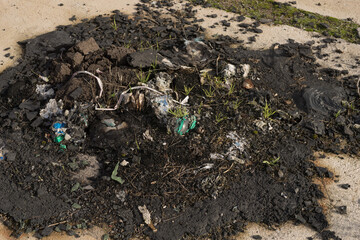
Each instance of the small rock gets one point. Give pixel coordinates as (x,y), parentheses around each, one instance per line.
(244,25)
(87,46)
(265,20)
(252,39)
(317,126)
(31,115)
(340,120)
(46,231)
(257,237)
(30,105)
(344,186)
(73,18)
(348,131)
(257,30)
(38,121)
(240,18)
(341,210)
(248,84)
(323,25)
(211,16)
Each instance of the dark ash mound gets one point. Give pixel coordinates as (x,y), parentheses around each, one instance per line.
(269,181)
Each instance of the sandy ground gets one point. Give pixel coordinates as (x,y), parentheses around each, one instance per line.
(20,20)
(341,9)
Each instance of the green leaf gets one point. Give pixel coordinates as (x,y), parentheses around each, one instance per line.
(76,206)
(75,187)
(114,175)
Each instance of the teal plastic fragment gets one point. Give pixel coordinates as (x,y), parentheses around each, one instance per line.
(185,124)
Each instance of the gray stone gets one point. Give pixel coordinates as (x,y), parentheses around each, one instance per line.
(30,105)
(348,131)
(37,122)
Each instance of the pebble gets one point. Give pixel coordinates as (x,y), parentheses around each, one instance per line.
(344,186)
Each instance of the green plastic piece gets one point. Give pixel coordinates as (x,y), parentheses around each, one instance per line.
(62,146)
(59,138)
(114,175)
(181,121)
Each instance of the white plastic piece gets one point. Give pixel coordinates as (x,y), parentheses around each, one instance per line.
(53,108)
(45,91)
(246,70)
(147,217)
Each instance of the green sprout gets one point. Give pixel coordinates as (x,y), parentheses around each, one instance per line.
(114,26)
(143,77)
(127,45)
(267,111)
(336,115)
(231,89)
(179,112)
(209,93)
(187,90)
(219,118)
(236,104)
(114,175)
(272,162)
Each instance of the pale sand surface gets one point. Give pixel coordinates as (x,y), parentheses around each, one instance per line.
(26,19)
(341,9)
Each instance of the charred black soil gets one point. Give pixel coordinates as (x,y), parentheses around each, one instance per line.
(239,150)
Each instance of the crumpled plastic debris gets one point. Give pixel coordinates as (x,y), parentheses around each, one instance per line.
(229,73)
(45,91)
(246,70)
(53,108)
(161,106)
(71,125)
(236,148)
(185,124)
(167,63)
(2,154)
(59,129)
(147,217)
(238,143)
(109,122)
(163,81)
(147,135)
(197,49)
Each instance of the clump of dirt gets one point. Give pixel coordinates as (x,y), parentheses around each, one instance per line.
(239,150)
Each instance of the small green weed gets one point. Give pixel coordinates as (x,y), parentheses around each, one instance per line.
(143,77)
(236,104)
(209,93)
(272,162)
(336,115)
(187,90)
(219,118)
(114,26)
(267,111)
(178,112)
(231,89)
